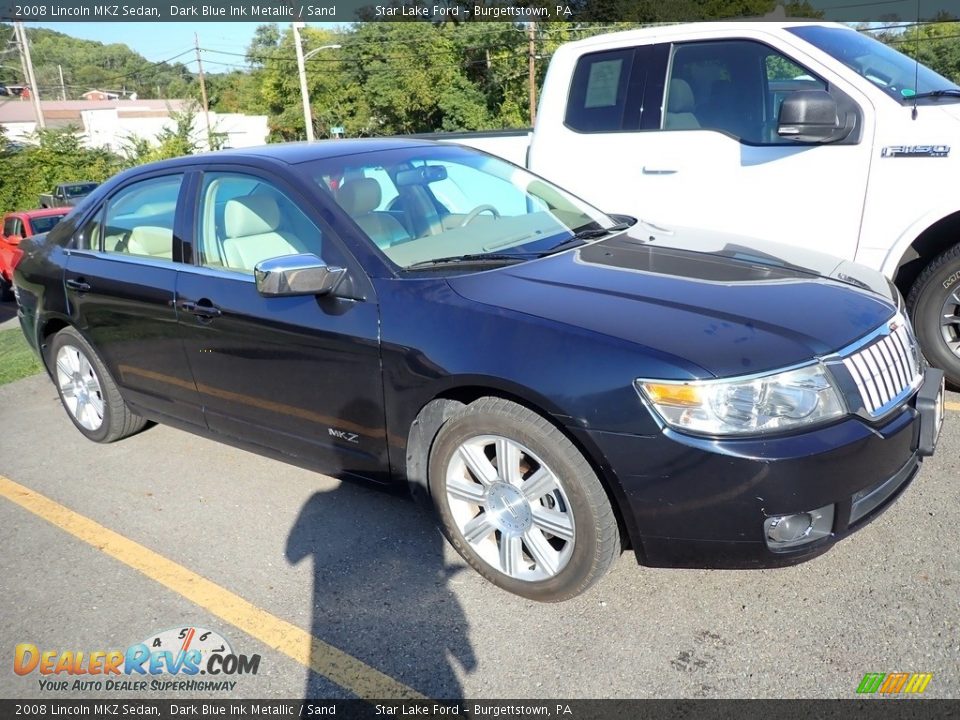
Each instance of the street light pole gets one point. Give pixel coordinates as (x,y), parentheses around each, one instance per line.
(302,68)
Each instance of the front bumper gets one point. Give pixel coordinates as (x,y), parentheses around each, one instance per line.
(695,502)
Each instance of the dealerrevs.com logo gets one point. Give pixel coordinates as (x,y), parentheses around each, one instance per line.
(170,660)
(892,684)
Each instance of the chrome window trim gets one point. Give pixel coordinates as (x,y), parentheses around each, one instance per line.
(126,258)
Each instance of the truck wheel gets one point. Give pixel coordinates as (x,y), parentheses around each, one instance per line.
(520,503)
(88,393)
(934,304)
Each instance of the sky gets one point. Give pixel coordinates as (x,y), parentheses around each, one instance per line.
(161,41)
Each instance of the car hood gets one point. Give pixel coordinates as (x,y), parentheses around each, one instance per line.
(718,305)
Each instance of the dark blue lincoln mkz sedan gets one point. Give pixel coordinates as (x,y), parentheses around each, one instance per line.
(558,383)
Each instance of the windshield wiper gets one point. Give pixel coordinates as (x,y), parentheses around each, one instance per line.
(581,237)
(600,232)
(483,258)
(946,92)
(473,258)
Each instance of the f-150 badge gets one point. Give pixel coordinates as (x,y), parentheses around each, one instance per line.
(915,151)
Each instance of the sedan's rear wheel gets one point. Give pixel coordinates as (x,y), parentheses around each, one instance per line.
(88,393)
(520,503)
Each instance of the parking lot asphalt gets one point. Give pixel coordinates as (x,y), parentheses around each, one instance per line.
(105,546)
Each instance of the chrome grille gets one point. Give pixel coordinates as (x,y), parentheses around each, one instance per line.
(886,369)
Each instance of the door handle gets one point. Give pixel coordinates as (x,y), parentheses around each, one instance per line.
(78,285)
(205,310)
(650,170)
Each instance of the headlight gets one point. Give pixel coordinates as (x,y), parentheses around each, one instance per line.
(745,406)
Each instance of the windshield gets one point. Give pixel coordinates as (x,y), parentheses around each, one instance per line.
(891,71)
(44,224)
(425,203)
(78,190)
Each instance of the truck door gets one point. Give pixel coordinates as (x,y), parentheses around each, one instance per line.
(690,133)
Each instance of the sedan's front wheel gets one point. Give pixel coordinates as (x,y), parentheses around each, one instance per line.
(520,503)
(88,393)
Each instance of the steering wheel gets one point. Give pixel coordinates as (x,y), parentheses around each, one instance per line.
(472,215)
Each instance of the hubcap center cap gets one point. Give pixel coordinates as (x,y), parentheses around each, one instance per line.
(509,510)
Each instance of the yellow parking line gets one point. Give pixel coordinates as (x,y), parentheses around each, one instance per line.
(334,664)
(952,406)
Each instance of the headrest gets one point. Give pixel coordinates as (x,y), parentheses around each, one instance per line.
(681,97)
(250,215)
(358,197)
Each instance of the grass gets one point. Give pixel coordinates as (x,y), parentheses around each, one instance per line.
(16,358)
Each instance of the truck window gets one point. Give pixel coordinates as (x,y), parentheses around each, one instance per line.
(599,91)
(733,86)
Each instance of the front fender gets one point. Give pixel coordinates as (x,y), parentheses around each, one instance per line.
(900,249)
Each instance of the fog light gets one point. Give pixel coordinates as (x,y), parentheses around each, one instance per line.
(783,532)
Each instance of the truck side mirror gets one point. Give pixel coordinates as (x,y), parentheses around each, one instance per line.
(811,116)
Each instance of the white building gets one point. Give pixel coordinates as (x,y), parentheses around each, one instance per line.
(111,123)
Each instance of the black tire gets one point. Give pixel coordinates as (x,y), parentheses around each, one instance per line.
(937,283)
(596,541)
(6,289)
(118,421)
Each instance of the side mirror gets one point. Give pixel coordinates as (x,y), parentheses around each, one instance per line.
(296,275)
(14,239)
(810,116)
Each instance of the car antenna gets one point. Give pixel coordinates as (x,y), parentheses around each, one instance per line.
(916,65)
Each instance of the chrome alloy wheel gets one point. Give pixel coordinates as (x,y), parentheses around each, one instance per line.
(80,387)
(950,322)
(510,507)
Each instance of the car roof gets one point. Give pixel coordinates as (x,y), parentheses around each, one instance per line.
(41,212)
(293,153)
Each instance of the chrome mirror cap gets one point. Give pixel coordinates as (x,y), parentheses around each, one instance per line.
(304,274)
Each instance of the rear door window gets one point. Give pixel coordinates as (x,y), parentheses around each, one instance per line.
(599,90)
(139,218)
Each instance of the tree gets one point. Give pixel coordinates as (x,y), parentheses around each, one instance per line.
(55,156)
(936,45)
(170,142)
(88,64)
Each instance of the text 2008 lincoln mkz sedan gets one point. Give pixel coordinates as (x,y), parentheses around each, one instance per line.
(559,383)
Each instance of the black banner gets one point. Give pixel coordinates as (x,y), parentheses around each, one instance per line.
(878,709)
(463,11)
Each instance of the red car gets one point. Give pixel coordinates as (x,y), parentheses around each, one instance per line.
(16,227)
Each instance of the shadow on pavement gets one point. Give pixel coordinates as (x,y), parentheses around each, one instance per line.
(8,314)
(380,588)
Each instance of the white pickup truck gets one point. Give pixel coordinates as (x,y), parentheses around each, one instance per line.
(811,134)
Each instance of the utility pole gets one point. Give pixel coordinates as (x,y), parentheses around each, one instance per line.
(304,91)
(63,88)
(23,60)
(203,92)
(532,69)
(28,65)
